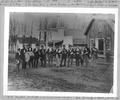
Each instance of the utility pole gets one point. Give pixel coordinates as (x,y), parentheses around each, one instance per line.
(40,25)
(24,32)
(45,33)
(31,34)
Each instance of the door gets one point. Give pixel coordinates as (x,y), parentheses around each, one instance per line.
(100,45)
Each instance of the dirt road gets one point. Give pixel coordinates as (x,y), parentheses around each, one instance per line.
(94,78)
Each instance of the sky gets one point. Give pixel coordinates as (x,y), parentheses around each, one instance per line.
(71,21)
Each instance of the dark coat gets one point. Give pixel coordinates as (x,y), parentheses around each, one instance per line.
(64,53)
(42,53)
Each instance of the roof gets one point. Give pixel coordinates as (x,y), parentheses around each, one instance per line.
(52,29)
(75,33)
(32,40)
(79,41)
(56,42)
(89,26)
(108,23)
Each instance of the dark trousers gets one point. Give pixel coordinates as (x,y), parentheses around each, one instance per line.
(81,60)
(43,61)
(36,63)
(31,63)
(77,61)
(51,60)
(70,61)
(23,64)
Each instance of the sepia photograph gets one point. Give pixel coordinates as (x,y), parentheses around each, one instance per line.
(60,52)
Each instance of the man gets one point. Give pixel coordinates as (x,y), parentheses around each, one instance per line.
(94,52)
(77,56)
(81,56)
(36,57)
(43,56)
(63,56)
(23,51)
(86,56)
(70,55)
(31,55)
(52,55)
(48,56)
(17,57)
(88,49)
(57,57)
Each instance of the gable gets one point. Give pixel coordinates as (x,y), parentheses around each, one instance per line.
(99,28)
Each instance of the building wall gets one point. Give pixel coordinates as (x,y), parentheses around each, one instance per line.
(19,45)
(55,34)
(68,40)
(101,29)
(75,33)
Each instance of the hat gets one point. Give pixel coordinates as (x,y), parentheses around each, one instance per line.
(42,46)
(18,49)
(63,45)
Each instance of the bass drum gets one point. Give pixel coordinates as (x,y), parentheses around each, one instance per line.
(27,57)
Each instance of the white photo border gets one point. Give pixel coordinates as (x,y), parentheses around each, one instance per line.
(8,10)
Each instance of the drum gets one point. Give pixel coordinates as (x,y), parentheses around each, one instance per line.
(17,62)
(27,57)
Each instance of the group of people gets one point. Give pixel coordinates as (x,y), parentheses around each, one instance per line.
(54,56)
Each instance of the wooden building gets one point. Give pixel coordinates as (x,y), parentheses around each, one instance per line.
(78,37)
(100,33)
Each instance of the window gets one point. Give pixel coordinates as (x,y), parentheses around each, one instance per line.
(108,43)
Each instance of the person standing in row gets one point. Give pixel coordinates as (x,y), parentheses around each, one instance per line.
(31,61)
(18,57)
(23,51)
(58,57)
(63,56)
(94,53)
(48,56)
(51,56)
(53,52)
(70,55)
(43,56)
(86,56)
(77,56)
(36,57)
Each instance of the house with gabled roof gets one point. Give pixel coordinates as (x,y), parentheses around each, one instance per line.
(100,33)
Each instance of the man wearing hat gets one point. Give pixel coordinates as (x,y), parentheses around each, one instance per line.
(69,54)
(18,57)
(63,56)
(43,56)
(23,51)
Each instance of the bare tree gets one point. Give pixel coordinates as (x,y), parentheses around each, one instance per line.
(24,29)
(10,34)
(31,33)
(39,29)
(13,34)
(45,27)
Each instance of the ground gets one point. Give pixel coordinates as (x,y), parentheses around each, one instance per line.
(96,77)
